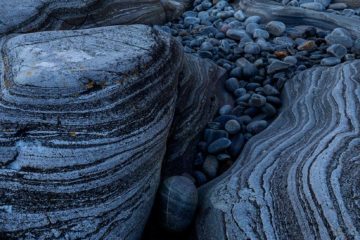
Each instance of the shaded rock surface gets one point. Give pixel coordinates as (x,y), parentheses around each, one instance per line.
(85,119)
(297,179)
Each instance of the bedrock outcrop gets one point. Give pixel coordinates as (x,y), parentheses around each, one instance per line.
(85,119)
(299,178)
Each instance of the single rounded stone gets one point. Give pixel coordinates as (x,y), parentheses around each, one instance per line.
(253,19)
(252,48)
(200,178)
(277,66)
(257,126)
(260,33)
(210,166)
(276,28)
(269,110)
(313,6)
(257,100)
(270,90)
(338,6)
(223,157)
(178,203)
(337,50)
(307,46)
(210,135)
(249,69)
(340,36)
(219,145)
(292,60)
(240,92)
(237,144)
(273,100)
(226,109)
(250,28)
(330,61)
(191,21)
(231,84)
(232,126)
(243,98)
(283,42)
(206,46)
(236,72)
(237,34)
(240,15)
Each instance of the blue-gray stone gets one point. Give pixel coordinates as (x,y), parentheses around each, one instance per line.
(219,145)
(276,28)
(337,50)
(260,33)
(257,126)
(257,100)
(210,135)
(313,6)
(232,126)
(340,36)
(252,48)
(226,109)
(330,61)
(231,84)
(210,166)
(253,19)
(236,146)
(240,15)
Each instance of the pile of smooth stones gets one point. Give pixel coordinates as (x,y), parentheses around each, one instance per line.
(259,58)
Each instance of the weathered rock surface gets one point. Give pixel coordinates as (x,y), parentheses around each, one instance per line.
(32,15)
(299,178)
(271,10)
(85,118)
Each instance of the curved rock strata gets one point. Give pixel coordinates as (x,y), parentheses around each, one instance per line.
(32,15)
(271,10)
(298,179)
(85,117)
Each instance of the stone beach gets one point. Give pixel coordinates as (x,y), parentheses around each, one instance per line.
(180,119)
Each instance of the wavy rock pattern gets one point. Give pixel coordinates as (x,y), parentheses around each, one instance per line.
(298,179)
(32,15)
(271,10)
(85,117)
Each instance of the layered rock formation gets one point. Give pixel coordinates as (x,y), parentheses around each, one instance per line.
(298,179)
(85,118)
(271,10)
(32,15)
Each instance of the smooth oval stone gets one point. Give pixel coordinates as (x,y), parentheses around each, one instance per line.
(226,109)
(223,157)
(240,92)
(200,178)
(219,145)
(340,36)
(252,48)
(232,126)
(178,203)
(252,86)
(252,19)
(273,100)
(330,61)
(243,98)
(210,166)
(211,135)
(240,15)
(283,42)
(270,90)
(257,100)
(231,84)
(338,6)
(236,34)
(277,66)
(236,146)
(206,46)
(337,50)
(236,72)
(250,28)
(191,21)
(307,46)
(292,60)
(275,28)
(269,110)
(260,33)
(257,126)
(313,6)
(245,119)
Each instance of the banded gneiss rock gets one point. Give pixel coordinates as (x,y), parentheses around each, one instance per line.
(32,15)
(298,179)
(85,118)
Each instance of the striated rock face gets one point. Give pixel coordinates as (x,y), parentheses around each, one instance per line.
(298,179)
(32,15)
(271,10)
(84,120)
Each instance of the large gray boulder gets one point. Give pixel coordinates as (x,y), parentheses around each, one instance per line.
(299,178)
(85,117)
